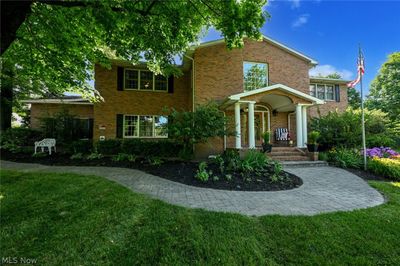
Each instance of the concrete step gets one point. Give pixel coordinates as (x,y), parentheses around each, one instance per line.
(283,148)
(304,163)
(290,158)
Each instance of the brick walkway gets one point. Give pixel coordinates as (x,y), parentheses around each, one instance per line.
(325,189)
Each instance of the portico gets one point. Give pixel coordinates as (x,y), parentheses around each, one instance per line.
(276,103)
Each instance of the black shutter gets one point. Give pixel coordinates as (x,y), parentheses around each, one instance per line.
(120,123)
(171,84)
(90,128)
(120,78)
(337,93)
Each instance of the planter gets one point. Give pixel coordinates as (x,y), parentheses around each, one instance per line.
(267,147)
(313,156)
(312,147)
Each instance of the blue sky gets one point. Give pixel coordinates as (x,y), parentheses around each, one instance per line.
(330,32)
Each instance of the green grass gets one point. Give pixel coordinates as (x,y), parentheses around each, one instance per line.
(71,219)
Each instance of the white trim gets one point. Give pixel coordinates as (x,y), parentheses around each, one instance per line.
(277,86)
(276,43)
(138,128)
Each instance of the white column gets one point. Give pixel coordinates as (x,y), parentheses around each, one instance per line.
(304,124)
(299,128)
(238,140)
(252,138)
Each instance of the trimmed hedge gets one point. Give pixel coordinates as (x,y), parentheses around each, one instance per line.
(160,148)
(81,146)
(386,167)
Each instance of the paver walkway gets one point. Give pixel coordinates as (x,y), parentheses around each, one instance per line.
(324,189)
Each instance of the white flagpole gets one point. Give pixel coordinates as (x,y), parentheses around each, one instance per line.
(362,115)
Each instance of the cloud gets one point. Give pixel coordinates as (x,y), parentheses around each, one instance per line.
(324,70)
(294,4)
(300,21)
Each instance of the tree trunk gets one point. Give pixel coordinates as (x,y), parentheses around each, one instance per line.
(6,98)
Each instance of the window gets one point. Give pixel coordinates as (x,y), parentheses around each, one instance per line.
(312,90)
(145,126)
(137,79)
(255,75)
(329,92)
(323,91)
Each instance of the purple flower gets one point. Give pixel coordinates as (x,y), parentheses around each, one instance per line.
(381,152)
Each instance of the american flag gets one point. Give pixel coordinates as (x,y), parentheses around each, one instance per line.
(360,70)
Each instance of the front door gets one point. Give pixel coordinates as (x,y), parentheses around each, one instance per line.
(258,127)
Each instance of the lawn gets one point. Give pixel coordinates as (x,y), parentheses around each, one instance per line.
(71,219)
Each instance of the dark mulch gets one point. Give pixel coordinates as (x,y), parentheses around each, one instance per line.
(178,171)
(366,175)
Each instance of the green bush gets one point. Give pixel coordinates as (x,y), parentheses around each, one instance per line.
(344,129)
(379,140)
(94,156)
(345,158)
(386,167)
(13,139)
(313,137)
(254,161)
(109,146)
(231,159)
(132,146)
(189,128)
(124,157)
(77,156)
(81,146)
(202,174)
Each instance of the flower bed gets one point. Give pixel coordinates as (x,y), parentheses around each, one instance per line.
(253,178)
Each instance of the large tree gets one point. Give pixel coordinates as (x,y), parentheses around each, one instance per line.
(384,93)
(48,47)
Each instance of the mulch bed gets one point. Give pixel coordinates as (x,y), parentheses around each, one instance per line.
(174,170)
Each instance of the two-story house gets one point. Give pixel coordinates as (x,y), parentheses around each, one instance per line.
(265,86)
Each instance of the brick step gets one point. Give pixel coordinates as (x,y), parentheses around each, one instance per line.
(286,153)
(283,149)
(290,158)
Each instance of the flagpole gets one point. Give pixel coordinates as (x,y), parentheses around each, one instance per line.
(362,117)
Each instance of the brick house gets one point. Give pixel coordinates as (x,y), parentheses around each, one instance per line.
(264,86)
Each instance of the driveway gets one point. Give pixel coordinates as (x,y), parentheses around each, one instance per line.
(324,189)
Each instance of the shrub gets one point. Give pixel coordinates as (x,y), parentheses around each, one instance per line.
(379,140)
(124,157)
(109,147)
(81,146)
(189,128)
(386,167)
(344,129)
(132,146)
(232,160)
(345,158)
(266,136)
(154,161)
(76,156)
(381,152)
(254,161)
(40,155)
(323,156)
(202,174)
(94,156)
(13,139)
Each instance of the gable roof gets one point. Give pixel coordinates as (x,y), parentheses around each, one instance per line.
(265,38)
(237,97)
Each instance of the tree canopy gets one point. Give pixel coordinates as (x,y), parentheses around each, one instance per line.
(384,93)
(57,45)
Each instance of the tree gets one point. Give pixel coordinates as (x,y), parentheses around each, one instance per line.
(354,98)
(52,46)
(333,76)
(384,93)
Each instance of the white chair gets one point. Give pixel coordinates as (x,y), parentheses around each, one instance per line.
(49,143)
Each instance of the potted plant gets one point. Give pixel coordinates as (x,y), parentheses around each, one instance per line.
(267,146)
(312,144)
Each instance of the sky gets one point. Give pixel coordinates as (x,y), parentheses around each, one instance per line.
(331,31)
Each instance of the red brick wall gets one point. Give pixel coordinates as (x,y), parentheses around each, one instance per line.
(133,102)
(41,110)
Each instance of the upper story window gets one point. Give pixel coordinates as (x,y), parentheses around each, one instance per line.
(323,91)
(255,75)
(138,79)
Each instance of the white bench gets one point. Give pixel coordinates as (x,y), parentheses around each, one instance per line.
(49,143)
